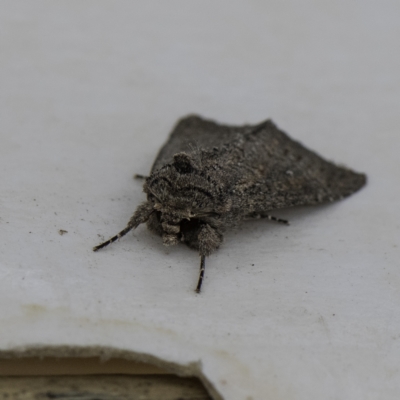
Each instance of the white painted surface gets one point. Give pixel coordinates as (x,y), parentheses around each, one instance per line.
(90,91)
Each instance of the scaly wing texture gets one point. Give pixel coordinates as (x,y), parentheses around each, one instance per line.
(283,173)
(260,166)
(194,133)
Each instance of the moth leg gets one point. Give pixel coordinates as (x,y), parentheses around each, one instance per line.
(138,176)
(272,218)
(201,275)
(209,239)
(141,215)
(269,217)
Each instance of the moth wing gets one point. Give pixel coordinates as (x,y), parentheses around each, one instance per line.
(191,133)
(285,173)
(276,171)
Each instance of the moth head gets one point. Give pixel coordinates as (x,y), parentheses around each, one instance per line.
(184,197)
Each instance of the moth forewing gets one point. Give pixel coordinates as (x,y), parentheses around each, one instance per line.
(208,178)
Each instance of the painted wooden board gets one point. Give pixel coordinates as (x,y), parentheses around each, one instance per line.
(90,91)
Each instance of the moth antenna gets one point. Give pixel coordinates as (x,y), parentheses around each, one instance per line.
(201,276)
(141,215)
(138,176)
(114,238)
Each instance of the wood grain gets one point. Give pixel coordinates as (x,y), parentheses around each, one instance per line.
(104,387)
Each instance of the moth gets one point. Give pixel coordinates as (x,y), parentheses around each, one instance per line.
(209,177)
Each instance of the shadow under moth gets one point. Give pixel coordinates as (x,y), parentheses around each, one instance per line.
(209,177)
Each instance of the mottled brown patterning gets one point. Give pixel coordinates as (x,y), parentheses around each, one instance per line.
(209,177)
